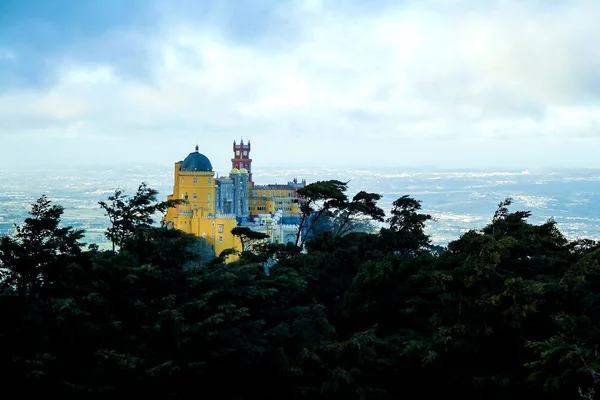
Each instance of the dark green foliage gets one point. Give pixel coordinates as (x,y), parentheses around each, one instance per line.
(406,236)
(37,256)
(247,236)
(507,312)
(358,215)
(363,205)
(126,214)
(319,199)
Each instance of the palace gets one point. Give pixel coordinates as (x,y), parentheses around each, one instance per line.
(215,205)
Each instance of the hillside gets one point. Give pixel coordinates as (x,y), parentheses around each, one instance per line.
(507,311)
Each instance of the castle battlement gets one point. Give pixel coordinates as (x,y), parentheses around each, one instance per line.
(289,227)
(274,186)
(219,216)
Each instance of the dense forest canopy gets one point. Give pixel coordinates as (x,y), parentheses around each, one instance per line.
(508,311)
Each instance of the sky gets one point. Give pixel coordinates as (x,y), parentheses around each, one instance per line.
(312,83)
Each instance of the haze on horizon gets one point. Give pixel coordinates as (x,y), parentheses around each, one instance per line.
(445,83)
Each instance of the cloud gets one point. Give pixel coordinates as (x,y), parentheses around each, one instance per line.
(310,82)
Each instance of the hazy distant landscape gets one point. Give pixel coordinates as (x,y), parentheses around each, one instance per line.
(459,200)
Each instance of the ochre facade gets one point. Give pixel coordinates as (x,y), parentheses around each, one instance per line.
(213,206)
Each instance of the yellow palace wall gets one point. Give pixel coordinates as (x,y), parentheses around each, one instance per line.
(196,216)
(267,200)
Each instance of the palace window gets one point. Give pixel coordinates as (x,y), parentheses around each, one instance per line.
(195,181)
(209,196)
(245,153)
(182,181)
(208,180)
(209,205)
(220,228)
(195,205)
(237,152)
(195,196)
(220,238)
(213,224)
(212,235)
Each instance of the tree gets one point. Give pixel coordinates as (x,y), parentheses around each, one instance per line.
(363,205)
(508,311)
(169,248)
(317,199)
(35,257)
(126,214)
(223,256)
(406,234)
(41,265)
(248,237)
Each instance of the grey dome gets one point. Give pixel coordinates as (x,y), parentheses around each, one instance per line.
(196,162)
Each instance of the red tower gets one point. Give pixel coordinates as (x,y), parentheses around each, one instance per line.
(241,158)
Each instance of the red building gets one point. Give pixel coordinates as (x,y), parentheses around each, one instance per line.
(241,158)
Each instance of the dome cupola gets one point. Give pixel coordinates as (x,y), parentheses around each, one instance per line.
(196,162)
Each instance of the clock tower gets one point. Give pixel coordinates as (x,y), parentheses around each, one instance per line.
(241,158)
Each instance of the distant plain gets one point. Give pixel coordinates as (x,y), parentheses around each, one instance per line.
(458,200)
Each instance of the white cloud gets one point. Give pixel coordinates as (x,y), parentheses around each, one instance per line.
(81,76)
(504,71)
